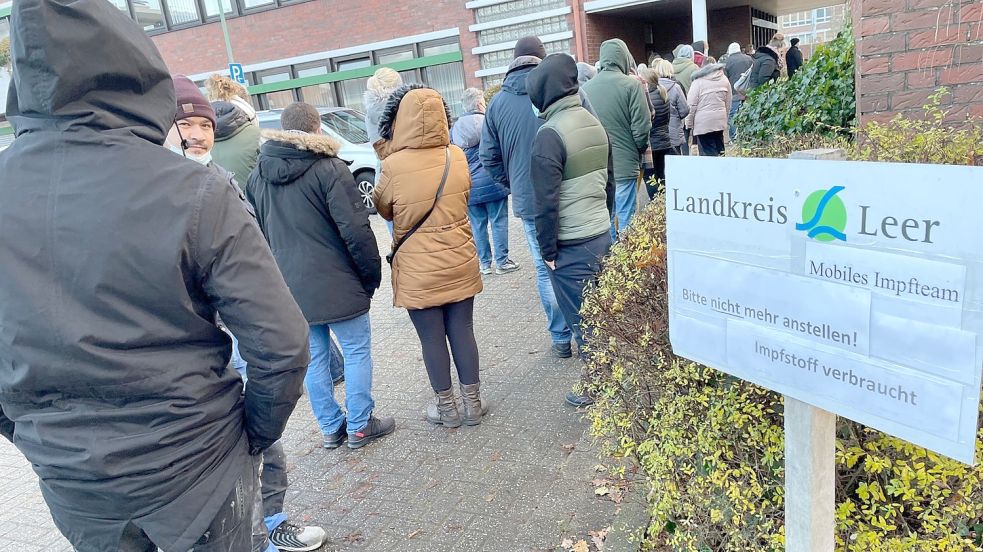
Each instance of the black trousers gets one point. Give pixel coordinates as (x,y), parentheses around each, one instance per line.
(576,266)
(438,325)
(659,158)
(712,144)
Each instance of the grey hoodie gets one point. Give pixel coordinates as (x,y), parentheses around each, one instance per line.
(116,257)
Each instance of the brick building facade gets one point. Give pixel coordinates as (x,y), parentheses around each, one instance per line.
(322,51)
(907,49)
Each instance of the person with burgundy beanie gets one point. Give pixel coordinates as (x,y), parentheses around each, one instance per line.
(193,136)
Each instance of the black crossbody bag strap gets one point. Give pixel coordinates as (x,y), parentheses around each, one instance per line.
(440,191)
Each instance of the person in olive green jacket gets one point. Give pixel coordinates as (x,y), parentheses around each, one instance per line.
(621,104)
(573,185)
(236,146)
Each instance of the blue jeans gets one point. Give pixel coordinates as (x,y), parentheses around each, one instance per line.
(625,200)
(494,214)
(337,360)
(734,106)
(355,338)
(559,332)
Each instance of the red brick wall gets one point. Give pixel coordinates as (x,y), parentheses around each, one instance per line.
(315,26)
(726,26)
(906,49)
(602,27)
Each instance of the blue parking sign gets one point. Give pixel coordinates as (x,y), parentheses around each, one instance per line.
(236,73)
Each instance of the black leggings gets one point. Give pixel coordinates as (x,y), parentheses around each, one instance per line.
(659,158)
(438,325)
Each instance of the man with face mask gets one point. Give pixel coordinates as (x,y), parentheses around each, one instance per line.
(193,136)
(193,132)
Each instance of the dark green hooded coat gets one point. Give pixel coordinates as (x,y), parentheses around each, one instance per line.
(621,104)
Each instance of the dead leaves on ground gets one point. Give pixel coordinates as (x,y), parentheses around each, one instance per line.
(596,539)
(613,489)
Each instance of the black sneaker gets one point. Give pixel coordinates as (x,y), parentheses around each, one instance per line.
(562,350)
(375,429)
(578,401)
(334,440)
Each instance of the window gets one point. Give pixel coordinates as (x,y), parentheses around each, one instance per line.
(252,4)
(510,33)
(121,4)
(351,90)
(349,124)
(433,49)
(515,9)
(448,79)
(392,56)
(183,12)
(823,15)
(318,95)
(211,8)
(281,99)
(149,14)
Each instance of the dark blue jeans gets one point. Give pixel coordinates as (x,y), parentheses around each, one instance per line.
(576,266)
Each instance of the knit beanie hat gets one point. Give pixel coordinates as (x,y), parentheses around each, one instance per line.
(190,101)
(384,80)
(529,46)
(733,48)
(686,52)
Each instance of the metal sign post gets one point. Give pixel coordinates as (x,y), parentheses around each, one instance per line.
(810,447)
(225,31)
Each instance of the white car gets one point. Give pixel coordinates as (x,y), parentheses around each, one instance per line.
(348,126)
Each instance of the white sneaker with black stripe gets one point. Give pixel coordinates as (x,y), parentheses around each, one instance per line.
(288,537)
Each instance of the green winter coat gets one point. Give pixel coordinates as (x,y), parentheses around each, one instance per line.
(621,104)
(236,146)
(683,68)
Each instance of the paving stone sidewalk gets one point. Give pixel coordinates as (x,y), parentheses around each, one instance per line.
(518,482)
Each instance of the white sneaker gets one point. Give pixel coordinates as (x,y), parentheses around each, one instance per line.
(288,537)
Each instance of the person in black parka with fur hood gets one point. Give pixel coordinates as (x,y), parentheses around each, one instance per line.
(318,228)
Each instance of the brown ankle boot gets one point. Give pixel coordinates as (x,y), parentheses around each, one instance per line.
(473,407)
(444,412)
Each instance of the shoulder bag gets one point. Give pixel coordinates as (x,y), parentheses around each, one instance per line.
(440,191)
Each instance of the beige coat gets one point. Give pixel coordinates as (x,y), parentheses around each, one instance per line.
(709,100)
(437,265)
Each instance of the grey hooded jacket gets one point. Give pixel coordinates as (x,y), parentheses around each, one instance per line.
(116,257)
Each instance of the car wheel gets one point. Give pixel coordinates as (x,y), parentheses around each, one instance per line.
(365,183)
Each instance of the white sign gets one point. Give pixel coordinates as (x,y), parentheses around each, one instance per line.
(854,287)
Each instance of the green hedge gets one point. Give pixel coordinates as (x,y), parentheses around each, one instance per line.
(820,98)
(712,446)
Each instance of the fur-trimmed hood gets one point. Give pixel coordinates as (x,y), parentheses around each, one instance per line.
(287,155)
(314,143)
(415,117)
(708,70)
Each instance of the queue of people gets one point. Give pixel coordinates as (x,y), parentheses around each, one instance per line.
(215,251)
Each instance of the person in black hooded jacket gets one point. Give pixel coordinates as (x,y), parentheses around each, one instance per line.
(765,68)
(117,255)
(309,209)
